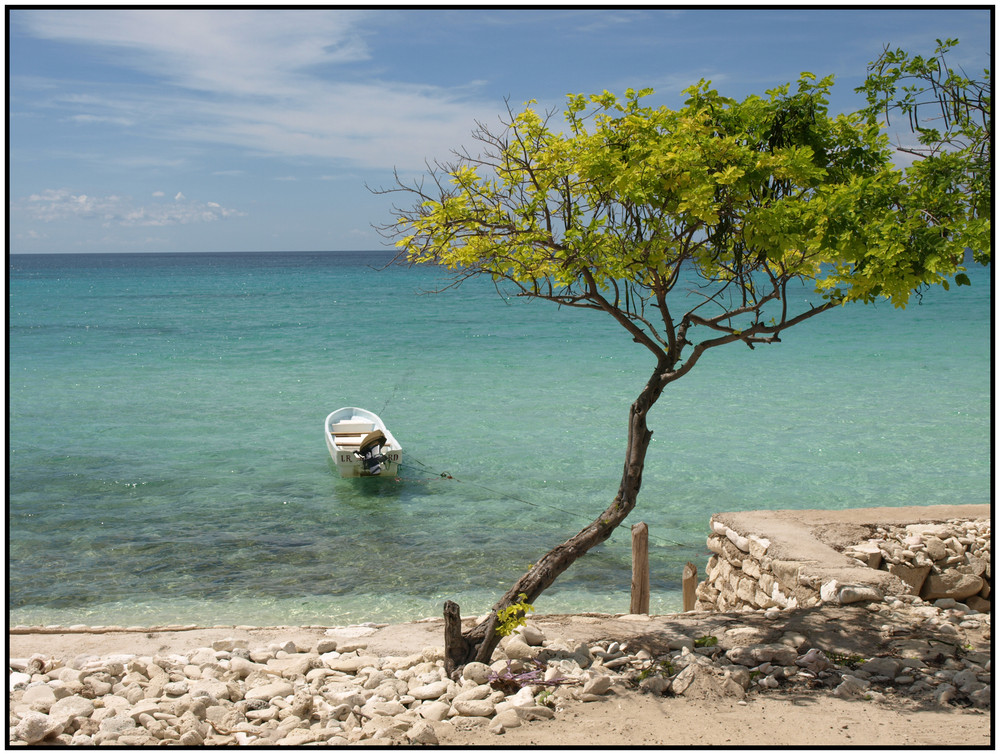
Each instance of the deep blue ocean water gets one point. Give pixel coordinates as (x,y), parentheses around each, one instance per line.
(166,462)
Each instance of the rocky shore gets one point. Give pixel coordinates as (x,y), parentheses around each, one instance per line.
(382,685)
(950,559)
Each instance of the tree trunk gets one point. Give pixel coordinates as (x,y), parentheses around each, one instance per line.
(479,643)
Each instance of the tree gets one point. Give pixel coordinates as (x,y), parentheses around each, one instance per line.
(955,142)
(612,211)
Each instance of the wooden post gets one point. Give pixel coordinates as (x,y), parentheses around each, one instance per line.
(689,581)
(640,568)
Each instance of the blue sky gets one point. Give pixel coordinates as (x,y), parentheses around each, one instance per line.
(257,130)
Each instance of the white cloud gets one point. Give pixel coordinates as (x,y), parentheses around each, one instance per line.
(238,51)
(102,119)
(56,205)
(264,80)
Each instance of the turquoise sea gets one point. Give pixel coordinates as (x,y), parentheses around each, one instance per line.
(166,462)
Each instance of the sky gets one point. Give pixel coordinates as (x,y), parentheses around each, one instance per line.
(260,129)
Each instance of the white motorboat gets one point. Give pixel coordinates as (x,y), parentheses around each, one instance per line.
(360,444)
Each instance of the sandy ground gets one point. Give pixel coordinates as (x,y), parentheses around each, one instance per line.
(800,717)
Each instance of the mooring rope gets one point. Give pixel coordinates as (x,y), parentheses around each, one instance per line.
(395,389)
(447,476)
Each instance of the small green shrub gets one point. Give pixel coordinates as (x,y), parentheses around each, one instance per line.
(662,668)
(846,659)
(512,617)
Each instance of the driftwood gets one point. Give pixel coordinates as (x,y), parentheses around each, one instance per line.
(456,649)
(461,649)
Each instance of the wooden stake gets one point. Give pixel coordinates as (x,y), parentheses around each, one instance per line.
(640,568)
(689,581)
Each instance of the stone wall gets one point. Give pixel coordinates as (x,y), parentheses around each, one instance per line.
(741,574)
(936,561)
(791,559)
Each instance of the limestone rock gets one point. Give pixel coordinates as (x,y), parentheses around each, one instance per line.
(522,698)
(422,733)
(349,663)
(476,672)
(483,708)
(17,679)
(882,667)
(758,546)
(532,635)
(431,691)
(203,656)
(325,645)
(852,686)
(117,723)
(536,713)
(34,727)
(192,738)
(814,660)
(65,710)
(973,565)
(41,697)
(869,553)
(214,688)
(269,691)
(229,644)
(857,593)
(655,685)
(786,573)
(738,540)
(434,711)
(934,548)
(517,649)
(478,692)
(951,584)
(508,719)
(979,604)
(913,576)
(297,737)
(680,683)
(598,685)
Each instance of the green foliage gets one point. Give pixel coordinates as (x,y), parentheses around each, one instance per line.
(950,116)
(846,659)
(662,667)
(708,641)
(750,194)
(618,206)
(512,617)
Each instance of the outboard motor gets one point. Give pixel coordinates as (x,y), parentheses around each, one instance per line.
(370,452)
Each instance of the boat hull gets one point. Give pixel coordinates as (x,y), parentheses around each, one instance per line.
(344,429)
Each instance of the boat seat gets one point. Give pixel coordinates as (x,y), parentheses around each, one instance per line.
(348,439)
(347,427)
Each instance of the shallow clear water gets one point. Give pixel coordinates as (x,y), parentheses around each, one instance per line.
(166,462)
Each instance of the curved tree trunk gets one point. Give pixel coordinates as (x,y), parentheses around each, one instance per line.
(479,643)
